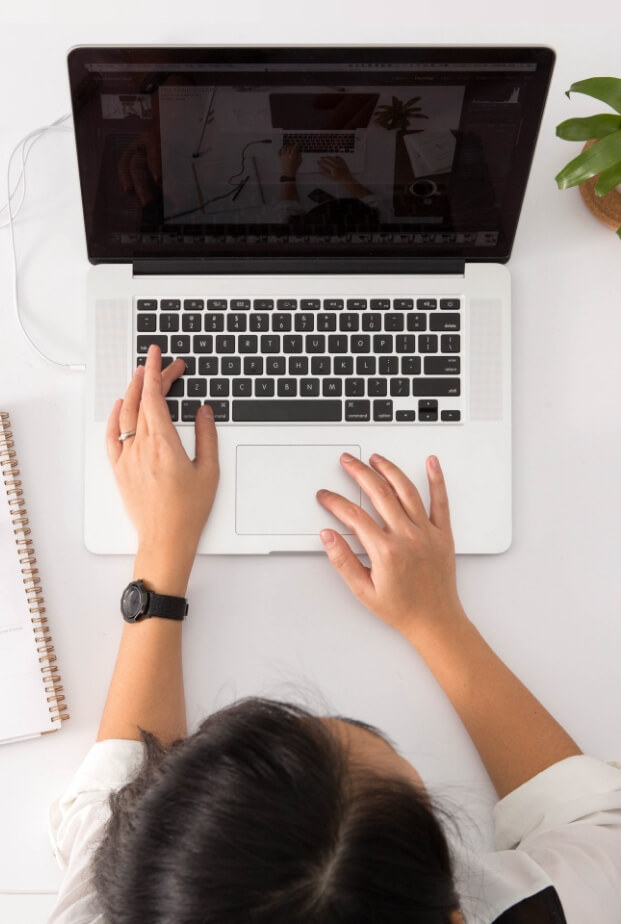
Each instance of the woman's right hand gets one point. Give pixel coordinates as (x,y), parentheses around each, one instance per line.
(411,584)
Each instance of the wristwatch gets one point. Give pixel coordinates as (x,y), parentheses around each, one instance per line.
(287,179)
(139,603)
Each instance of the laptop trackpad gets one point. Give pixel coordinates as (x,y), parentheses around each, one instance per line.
(276,487)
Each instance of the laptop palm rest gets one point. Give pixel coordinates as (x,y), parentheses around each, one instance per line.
(276,487)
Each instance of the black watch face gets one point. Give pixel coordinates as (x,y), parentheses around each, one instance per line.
(132,602)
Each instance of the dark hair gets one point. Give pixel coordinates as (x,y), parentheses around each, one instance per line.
(260,817)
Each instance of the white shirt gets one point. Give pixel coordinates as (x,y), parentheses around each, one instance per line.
(562,828)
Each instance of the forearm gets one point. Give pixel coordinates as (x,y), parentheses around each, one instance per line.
(513,733)
(146,690)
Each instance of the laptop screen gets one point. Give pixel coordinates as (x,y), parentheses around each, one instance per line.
(369,157)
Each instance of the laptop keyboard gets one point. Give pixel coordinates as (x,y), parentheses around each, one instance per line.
(309,360)
(325,142)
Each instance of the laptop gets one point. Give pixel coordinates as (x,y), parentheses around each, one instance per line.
(318,311)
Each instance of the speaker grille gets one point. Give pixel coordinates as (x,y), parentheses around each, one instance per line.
(111,344)
(486,391)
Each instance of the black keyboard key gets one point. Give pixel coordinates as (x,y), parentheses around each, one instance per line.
(451,416)
(146,323)
(287,388)
(259,322)
(190,364)
(236,323)
(410,365)
(426,304)
(450,304)
(177,389)
(263,304)
(144,341)
(216,304)
(169,323)
(403,304)
(275,365)
(366,365)
(214,322)
(253,365)
(360,343)
(298,365)
(427,411)
(225,343)
(220,410)
(382,411)
(405,415)
(310,304)
(326,321)
(442,365)
(179,343)
(189,410)
(337,343)
(242,388)
(321,365)
(332,388)
(445,322)
(170,304)
(405,343)
(147,304)
(292,343)
(202,343)
(230,365)
(309,388)
(248,344)
(264,388)
(382,343)
(427,343)
(380,304)
(389,365)
(417,322)
(287,304)
(399,387)
(240,304)
(281,322)
(343,365)
(193,304)
(436,387)
(304,322)
(356,304)
(315,344)
(354,388)
(173,407)
(450,343)
(377,388)
(359,411)
(371,321)
(270,343)
(302,410)
(197,388)
(393,320)
(208,365)
(219,388)
(349,322)
(166,361)
(333,304)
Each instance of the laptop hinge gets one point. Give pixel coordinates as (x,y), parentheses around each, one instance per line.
(353,266)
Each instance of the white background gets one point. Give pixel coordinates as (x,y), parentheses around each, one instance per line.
(285,625)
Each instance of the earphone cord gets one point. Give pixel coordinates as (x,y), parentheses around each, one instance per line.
(27,143)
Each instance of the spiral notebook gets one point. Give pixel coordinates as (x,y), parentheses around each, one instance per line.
(32,701)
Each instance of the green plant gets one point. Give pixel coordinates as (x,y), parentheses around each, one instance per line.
(604,156)
(398,114)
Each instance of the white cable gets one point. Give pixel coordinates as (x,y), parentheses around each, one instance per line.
(25,151)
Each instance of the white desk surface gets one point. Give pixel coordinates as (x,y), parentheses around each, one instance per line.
(285,624)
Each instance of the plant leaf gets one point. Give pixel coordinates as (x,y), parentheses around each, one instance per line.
(597,126)
(608,180)
(619,231)
(608,89)
(600,156)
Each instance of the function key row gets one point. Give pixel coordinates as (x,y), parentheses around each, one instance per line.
(292,304)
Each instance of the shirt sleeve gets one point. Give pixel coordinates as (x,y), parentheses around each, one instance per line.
(77,820)
(568,820)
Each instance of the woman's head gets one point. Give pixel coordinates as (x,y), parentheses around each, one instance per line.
(269,814)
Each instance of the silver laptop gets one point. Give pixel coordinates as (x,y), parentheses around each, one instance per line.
(362,307)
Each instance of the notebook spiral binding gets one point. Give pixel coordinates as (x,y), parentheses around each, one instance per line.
(9,471)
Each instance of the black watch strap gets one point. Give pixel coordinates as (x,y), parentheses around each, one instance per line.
(287,179)
(138,602)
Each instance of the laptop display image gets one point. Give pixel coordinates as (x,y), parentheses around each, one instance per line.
(320,233)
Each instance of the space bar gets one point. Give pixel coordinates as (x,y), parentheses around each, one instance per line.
(287,410)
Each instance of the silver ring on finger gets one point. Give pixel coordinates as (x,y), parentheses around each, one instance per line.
(126,435)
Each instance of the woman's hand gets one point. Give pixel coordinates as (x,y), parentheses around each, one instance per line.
(335,167)
(168,496)
(290,159)
(411,584)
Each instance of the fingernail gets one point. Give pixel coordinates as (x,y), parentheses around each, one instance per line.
(345,457)
(327,537)
(377,458)
(434,463)
(207,411)
(322,493)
